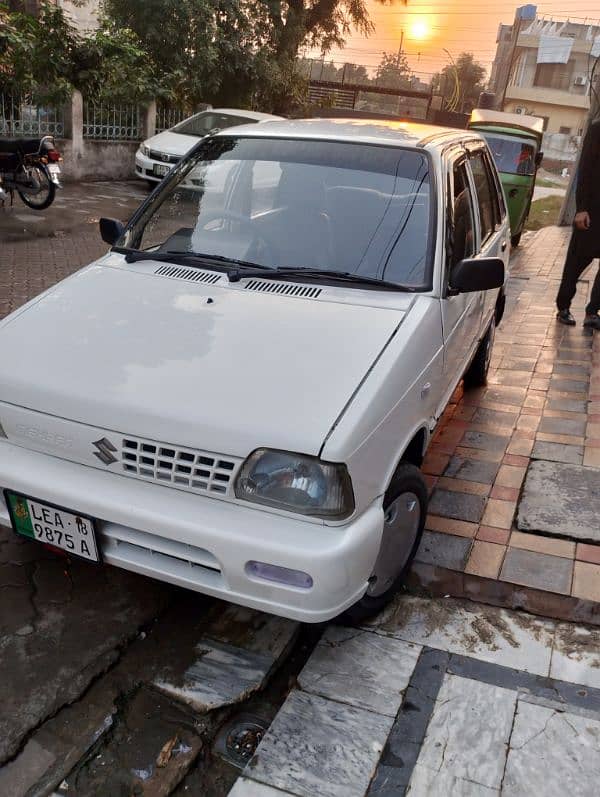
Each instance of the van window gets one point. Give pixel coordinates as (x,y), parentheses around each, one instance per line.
(511,155)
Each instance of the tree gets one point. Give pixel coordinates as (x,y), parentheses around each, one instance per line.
(43,55)
(471,80)
(393,72)
(315,23)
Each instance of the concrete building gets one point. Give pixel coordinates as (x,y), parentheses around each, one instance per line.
(544,68)
(84,17)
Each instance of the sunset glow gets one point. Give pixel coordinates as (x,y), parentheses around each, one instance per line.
(419,30)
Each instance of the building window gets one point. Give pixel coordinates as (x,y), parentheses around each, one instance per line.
(566,131)
(554,76)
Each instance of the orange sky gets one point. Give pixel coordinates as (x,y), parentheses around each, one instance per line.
(456,25)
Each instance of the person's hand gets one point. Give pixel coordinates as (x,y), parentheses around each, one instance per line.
(582,220)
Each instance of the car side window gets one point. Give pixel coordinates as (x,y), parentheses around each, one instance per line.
(462,228)
(485,196)
(496,185)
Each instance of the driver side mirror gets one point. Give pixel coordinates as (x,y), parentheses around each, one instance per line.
(111,230)
(483,274)
(538,159)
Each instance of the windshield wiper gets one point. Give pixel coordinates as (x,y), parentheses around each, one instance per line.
(338,276)
(186,258)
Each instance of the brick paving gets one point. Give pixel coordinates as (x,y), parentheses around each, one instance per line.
(542,402)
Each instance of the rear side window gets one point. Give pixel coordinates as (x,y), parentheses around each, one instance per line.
(499,206)
(461,233)
(485,195)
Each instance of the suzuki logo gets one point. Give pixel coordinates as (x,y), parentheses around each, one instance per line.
(105,451)
(165,157)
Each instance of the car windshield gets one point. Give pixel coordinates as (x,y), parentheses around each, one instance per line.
(512,156)
(208,122)
(280,203)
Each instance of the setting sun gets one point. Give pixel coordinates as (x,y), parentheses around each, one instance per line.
(419,29)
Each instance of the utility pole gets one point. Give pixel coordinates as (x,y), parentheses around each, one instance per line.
(400,48)
(567,212)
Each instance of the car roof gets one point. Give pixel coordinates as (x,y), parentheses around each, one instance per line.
(259,117)
(366,131)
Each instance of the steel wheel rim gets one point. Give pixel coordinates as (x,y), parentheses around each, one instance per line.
(401,525)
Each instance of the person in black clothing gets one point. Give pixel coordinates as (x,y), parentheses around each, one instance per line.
(585,240)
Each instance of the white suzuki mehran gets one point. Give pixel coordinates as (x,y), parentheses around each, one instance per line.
(238,396)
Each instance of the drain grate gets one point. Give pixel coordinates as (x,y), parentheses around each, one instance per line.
(237,741)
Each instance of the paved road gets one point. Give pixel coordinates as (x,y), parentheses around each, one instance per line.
(77,206)
(540,192)
(114,684)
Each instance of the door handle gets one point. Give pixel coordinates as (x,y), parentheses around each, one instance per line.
(503,247)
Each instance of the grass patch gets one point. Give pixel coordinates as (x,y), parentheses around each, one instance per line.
(544,183)
(544,212)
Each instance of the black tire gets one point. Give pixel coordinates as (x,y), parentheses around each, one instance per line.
(30,200)
(476,374)
(150,185)
(516,240)
(407,481)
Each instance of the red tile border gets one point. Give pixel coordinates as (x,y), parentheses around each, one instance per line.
(505,493)
(492,534)
(513,459)
(588,553)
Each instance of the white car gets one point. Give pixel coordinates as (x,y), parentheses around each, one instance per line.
(238,396)
(158,154)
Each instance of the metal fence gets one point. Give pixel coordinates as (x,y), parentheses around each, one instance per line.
(19,116)
(168,117)
(112,122)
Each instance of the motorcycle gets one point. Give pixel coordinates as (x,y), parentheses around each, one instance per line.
(30,167)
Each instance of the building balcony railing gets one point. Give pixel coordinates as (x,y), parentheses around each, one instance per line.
(547,96)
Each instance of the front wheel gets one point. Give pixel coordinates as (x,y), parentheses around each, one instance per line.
(477,372)
(515,240)
(405,510)
(42,197)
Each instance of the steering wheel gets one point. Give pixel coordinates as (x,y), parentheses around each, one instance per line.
(230,215)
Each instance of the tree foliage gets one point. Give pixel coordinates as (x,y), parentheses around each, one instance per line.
(238,52)
(393,72)
(45,56)
(471,80)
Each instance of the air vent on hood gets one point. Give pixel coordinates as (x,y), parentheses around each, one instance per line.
(190,274)
(284,288)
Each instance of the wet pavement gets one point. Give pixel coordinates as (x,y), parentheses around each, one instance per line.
(115,684)
(77,206)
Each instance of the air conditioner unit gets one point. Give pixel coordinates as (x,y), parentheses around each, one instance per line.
(580,80)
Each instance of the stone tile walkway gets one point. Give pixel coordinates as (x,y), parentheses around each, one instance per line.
(514,468)
(421,726)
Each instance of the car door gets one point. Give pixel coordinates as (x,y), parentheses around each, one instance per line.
(461,313)
(493,232)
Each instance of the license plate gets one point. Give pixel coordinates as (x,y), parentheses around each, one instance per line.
(54,171)
(160,170)
(52,525)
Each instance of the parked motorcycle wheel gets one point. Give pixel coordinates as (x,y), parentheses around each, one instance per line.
(45,196)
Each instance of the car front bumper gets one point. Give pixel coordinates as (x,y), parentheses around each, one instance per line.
(201,543)
(144,167)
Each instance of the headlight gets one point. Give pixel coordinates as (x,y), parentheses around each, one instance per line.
(296,483)
(145,150)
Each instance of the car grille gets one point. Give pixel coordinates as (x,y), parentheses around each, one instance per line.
(184,468)
(163,157)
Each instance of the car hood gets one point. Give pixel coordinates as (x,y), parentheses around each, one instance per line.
(172,143)
(221,369)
